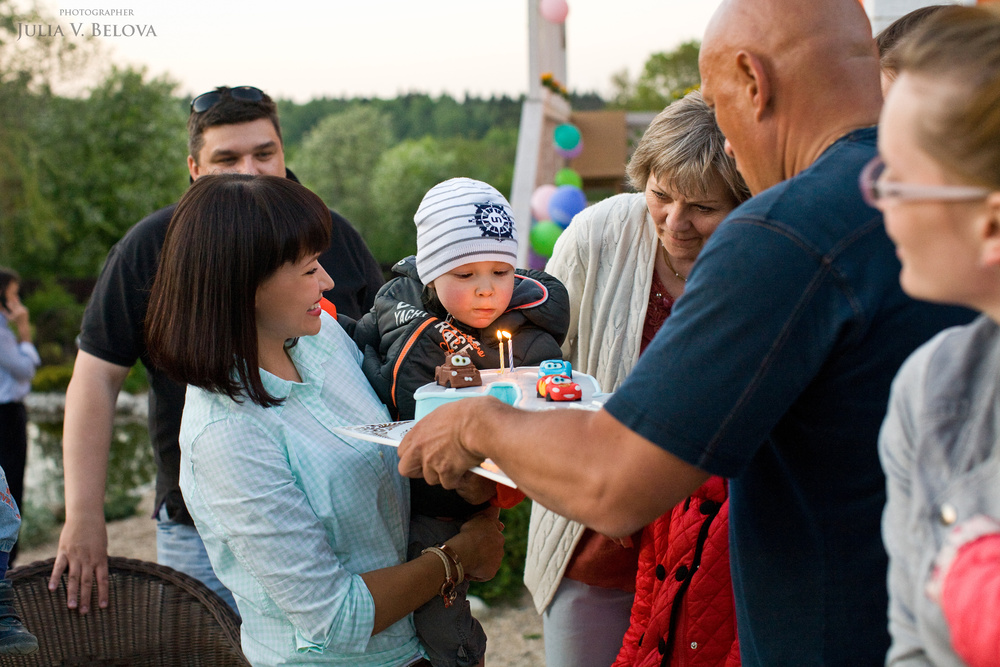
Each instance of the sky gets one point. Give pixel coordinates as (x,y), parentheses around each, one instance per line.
(378,48)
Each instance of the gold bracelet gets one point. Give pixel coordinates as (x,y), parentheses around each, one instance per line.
(453,555)
(447,592)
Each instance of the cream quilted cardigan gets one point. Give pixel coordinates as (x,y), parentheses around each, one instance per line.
(605,258)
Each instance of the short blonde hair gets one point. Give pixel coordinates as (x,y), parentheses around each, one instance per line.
(960,49)
(684,144)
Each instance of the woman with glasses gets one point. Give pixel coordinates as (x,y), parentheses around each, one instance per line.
(938,185)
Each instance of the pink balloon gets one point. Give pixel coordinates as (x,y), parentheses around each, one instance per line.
(540,201)
(553,10)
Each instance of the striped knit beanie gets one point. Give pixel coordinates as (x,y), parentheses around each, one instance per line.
(462,221)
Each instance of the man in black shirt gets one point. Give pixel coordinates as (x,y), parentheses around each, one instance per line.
(229,130)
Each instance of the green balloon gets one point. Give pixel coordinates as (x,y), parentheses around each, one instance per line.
(543,237)
(567,176)
(566,136)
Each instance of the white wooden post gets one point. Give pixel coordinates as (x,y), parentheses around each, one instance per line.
(536,162)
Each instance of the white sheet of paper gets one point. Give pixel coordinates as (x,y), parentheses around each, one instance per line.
(391,433)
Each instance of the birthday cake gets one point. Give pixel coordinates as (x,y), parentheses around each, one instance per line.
(518,387)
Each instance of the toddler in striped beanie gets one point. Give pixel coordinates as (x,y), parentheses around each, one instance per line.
(467,249)
(451,299)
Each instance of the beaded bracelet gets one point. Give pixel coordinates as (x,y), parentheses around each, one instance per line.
(447,592)
(455,561)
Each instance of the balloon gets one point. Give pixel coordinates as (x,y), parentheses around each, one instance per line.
(566,136)
(565,203)
(543,237)
(567,176)
(572,153)
(540,201)
(553,10)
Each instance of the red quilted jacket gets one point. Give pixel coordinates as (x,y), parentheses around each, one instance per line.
(684,613)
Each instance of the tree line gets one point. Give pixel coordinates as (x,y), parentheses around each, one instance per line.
(79,170)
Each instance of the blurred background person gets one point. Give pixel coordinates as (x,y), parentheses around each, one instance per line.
(18,362)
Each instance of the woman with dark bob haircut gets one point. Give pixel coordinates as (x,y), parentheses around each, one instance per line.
(307,529)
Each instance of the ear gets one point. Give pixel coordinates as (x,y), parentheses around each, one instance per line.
(990,231)
(193,168)
(755,83)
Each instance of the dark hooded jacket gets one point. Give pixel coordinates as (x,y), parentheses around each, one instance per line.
(408,333)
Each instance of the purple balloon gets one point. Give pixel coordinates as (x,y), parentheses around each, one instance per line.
(571,153)
(567,201)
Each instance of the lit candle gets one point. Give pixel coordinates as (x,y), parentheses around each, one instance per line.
(500,338)
(510,350)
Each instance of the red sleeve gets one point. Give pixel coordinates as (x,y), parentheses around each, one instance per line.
(506,497)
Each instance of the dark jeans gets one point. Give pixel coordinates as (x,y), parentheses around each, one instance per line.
(14,451)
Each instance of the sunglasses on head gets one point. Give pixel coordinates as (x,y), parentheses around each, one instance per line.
(206,101)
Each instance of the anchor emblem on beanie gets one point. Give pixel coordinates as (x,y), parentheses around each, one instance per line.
(494,221)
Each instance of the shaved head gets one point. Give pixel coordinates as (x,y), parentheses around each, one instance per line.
(787,79)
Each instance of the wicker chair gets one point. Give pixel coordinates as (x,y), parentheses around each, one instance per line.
(155,616)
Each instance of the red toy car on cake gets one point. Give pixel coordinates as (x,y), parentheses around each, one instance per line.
(558,388)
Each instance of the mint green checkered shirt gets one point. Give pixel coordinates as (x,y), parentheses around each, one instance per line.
(292,514)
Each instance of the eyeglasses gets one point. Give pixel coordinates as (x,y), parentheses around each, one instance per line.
(877,192)
(206,101)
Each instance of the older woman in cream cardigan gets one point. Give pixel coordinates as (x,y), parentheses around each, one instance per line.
(624,261)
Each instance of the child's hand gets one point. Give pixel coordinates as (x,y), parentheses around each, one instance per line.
(476,489)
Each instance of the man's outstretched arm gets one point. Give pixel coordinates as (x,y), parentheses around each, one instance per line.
(584,465)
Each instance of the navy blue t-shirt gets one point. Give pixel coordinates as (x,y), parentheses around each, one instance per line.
(774,370)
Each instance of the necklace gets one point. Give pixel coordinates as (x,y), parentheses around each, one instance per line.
(666,258)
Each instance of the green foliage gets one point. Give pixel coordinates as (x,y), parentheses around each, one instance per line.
(39,525)
(121,504)
(56,316)
(338,157)
(109,160)
(403,175)
(665,77)
(508,585)
(39,62)
(52,378)
(416,115)
(81,171)
(131,469)
(137,380)
(490,159)
(28,69)
(298,119)
(409,169)
(131,464)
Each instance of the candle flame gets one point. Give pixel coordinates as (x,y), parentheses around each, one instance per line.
(506,334)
